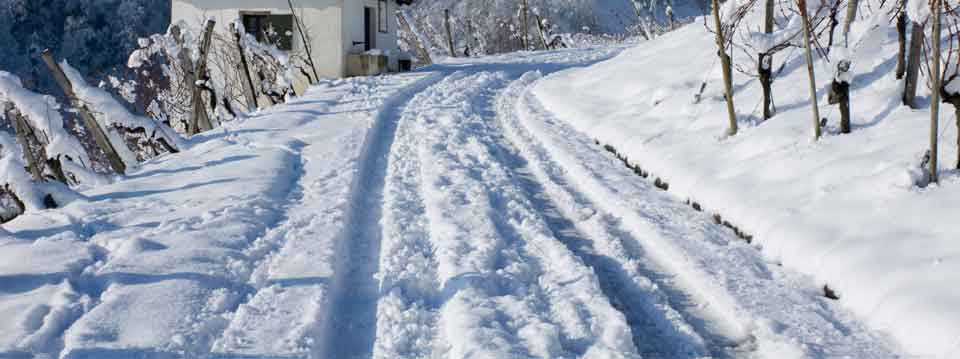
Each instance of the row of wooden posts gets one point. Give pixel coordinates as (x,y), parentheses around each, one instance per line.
(839,91)
(199,121)
(524,34)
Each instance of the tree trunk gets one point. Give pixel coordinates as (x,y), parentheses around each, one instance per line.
(768,15)
(840,95)
(913,65)
(542,32)
(852,7)
(766,82)
(201,121)
(449,30)
(833,25)
(307,46)
(813,80)
(902,41)
(89,122)
(725,63)
(765,63)
(249,91)
(935,101)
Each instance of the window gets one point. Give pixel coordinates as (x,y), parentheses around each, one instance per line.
(272,29)
(384,18)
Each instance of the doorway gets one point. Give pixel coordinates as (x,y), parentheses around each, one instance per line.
(369,32)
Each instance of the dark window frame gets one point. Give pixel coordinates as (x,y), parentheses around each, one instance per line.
(262,21)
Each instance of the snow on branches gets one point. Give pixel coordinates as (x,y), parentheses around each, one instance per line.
(136,138)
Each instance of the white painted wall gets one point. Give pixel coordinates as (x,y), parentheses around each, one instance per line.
(353,28)
(333,25)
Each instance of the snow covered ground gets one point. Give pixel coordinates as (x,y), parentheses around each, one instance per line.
(446,213)
(844,210)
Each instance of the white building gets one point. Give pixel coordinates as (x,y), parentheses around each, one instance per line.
(337,28)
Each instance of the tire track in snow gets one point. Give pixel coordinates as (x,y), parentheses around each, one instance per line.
(510,287)
(352,319)
(288,312)
(410,290)
(641,292)
(722,287)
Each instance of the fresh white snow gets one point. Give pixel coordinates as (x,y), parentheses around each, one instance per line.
(844,210)
(465,211)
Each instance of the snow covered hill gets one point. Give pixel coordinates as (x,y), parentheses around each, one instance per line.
(845,210)
(445,213)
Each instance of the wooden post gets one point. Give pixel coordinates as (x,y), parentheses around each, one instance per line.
(524,25)
(727,76)
(200,121)
(765,63)
(935,100)
(670,19)
(913,65)
(418,43)
(902,41)
(852,7)
(813,80)
(542,31)
(89,122)
(249,90)
(306,40)
(22,130)
(449,29)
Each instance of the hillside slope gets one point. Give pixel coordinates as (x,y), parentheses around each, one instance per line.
(845,209)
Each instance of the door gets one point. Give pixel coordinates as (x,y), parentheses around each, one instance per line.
(369,33)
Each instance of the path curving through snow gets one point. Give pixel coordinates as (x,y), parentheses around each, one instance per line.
(439,214)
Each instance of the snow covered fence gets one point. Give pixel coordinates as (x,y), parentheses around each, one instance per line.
(54,157)
(239,74)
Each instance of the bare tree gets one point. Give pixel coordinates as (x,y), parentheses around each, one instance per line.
(307,44)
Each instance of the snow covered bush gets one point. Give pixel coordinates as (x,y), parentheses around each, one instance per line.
(53,156)
(272,70)
(164,67)
(135,138)
(168,62)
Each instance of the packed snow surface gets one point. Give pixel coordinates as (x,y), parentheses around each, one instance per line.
(445,213)
(845,209)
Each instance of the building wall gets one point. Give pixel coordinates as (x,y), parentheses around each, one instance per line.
(320,17)
(353,30)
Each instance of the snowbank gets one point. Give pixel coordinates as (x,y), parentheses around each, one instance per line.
(844,209)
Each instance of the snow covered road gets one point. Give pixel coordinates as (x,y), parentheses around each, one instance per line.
(438,214)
